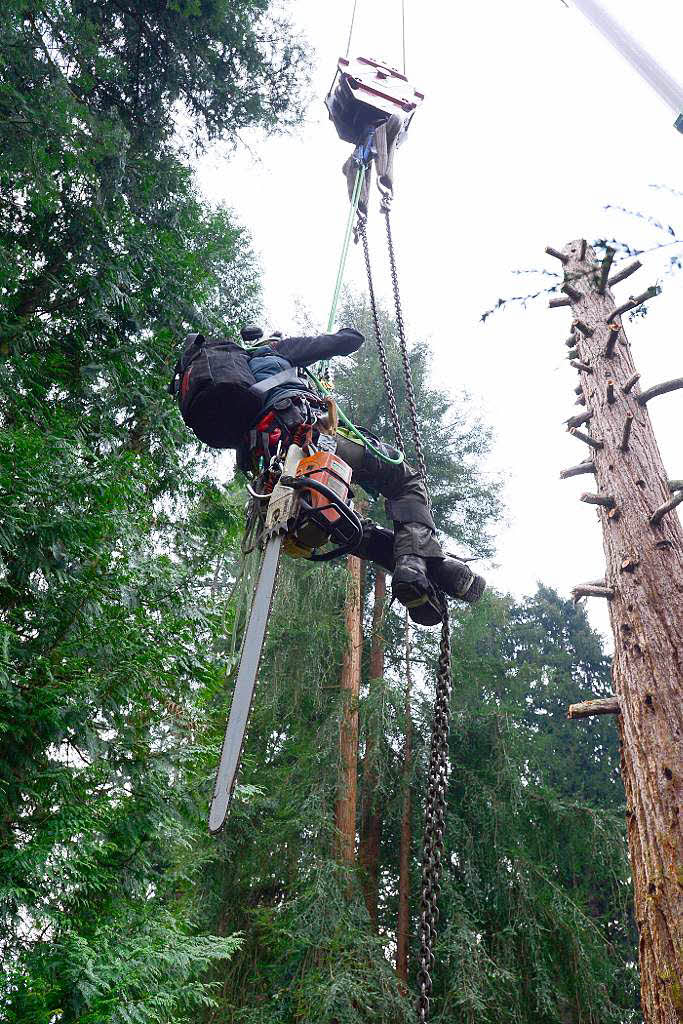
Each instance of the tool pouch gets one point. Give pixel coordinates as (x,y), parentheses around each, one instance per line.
(214,387)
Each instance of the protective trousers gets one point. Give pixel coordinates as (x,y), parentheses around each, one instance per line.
(405,501)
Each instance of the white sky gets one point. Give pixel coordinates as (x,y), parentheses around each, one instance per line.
(531,124)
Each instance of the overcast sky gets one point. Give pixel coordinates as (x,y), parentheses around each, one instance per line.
(530,127)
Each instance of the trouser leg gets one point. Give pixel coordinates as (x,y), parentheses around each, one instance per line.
(404,493)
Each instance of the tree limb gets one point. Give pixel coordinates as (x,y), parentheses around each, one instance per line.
(586,708)
(659,389)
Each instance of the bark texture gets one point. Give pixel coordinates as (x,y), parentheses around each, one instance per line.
(646,613)
(371,807)
(345,804)
(403,925)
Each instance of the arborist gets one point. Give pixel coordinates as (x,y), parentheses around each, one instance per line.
(286,399)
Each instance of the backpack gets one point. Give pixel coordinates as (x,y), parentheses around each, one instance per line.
(213,383)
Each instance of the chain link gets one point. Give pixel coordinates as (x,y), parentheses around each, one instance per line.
(407,374)
(435,811)
(381,350)
(435,822)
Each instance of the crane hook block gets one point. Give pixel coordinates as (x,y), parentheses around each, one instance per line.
(365,94)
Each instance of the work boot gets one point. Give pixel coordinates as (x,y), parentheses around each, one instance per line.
(456,579)
(410,585)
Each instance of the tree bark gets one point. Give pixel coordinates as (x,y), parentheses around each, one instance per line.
(646,614)
(403,925)
(345,804)
(371,808)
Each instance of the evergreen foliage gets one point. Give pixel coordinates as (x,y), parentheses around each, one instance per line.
(107,625)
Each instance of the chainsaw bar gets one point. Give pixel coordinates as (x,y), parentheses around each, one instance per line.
(245,685)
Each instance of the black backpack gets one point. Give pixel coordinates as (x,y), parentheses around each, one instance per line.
(213,384)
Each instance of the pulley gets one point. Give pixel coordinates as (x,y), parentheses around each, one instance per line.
(365,94)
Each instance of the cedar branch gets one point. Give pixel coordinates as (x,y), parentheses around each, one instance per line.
(586,708)
(660,389)
(634,300)
(668,506)
(583,467)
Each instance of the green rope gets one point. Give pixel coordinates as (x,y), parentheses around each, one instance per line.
(322,366)
(352,428)
(355,199)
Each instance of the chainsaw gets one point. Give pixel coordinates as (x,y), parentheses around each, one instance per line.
(300,503)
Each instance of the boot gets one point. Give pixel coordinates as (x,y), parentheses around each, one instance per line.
(456,579)
(410,585)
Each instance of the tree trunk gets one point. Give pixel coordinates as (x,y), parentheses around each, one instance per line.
(403,926)
(345,805)
(645,571)
(371,809)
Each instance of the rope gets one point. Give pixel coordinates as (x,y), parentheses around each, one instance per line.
(353,428)
(353,18)
(355,199)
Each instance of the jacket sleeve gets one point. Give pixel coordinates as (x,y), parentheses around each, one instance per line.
(304,351)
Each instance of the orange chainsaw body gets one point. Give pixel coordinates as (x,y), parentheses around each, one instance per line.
(328,469)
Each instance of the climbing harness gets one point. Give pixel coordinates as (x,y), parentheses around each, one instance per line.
(371,106)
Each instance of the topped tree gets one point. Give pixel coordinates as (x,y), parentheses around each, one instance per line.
(643,583)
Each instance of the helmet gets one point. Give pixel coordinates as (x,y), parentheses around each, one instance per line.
(251,334)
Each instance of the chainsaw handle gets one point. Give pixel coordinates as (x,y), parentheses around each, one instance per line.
(306,483)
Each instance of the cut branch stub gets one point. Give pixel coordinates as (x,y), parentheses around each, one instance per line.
(579,325)
(571,340)
(626,433)
(582,249)
(663,510)
(583,467)
(587,439)
(579,419)
(573,353)
(586,708)
(560,301)
(574,294)
(627,385)
(621,275)
(598,499)
(660,389)
(613,334)
(558,255)
(605,269)
(634,300)
(590,590)
(582,367)
(610,392)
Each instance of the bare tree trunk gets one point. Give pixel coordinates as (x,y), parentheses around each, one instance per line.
(371,809)
(345,804)
(403,925)
(643,542)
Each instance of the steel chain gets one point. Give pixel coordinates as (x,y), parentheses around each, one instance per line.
(435,822)
(381,350)
(435,811)
(407,374)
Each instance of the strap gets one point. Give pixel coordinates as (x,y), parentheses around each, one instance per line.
(262,387)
